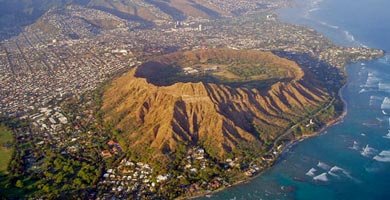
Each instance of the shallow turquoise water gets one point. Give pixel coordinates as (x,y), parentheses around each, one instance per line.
(343,166)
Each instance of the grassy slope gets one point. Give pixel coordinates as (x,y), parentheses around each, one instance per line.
(6,137)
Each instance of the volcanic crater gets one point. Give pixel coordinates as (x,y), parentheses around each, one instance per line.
(221,99)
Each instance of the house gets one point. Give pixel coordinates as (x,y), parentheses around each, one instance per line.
(115,149)
(200,151)
(111,142)
(106,154)
(214,184)
(161,178)
(63,120)
(193,170)
(267,158)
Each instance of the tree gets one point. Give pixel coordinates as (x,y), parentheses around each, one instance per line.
(46,189)
(19,184)
(59,178)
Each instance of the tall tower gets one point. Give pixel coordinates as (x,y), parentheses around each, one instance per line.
(200,27)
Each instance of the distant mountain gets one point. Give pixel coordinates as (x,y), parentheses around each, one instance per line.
(173,100)
(15,14)
(23,12)
(75,22)
(150,10)
(29,10)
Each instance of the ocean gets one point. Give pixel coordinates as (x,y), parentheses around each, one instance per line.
(350,160)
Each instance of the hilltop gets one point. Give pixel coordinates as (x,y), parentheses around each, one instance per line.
(201,98)
(176,125)
(15,14)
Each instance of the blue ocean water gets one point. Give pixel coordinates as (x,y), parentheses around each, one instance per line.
(350,160)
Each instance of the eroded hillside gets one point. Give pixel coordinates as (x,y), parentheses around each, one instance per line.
(155,119)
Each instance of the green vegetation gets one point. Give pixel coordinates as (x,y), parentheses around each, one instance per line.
(250,69)
(59,178)
(6,147)
(63,169)
(69,169)
(253,71)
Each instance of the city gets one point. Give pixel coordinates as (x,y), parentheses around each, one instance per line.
(52,72)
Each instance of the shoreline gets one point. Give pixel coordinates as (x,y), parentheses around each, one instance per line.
(288,146)
(284,158)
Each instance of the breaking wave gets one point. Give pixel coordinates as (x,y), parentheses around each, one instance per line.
(311,172)
(322,177)
(384,87)
(387,136)
(355,146)
(385,104)
(376,100)
(383,156)
(312,7)
(368,151)
(372,81)
(328,25)
(351,38)
(323,165)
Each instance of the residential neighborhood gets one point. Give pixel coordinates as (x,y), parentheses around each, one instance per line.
(53,72)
